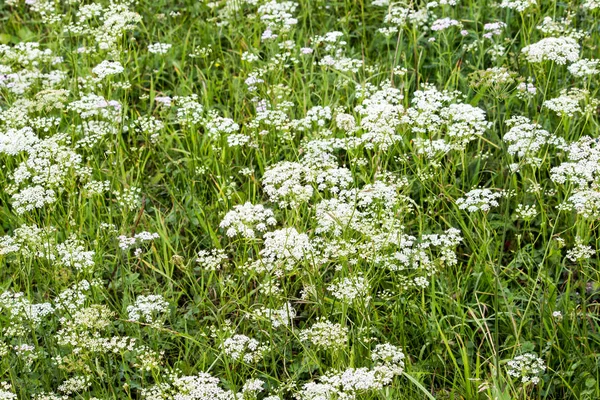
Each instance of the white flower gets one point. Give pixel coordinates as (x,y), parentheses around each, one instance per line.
(107,68)
(350,289)
(159,48)
(147,308)
(479,200)
(444,23)
(580,252)
(325,334)
(528,367)
(518,5)
(558,49)
(585,67)
(245,219)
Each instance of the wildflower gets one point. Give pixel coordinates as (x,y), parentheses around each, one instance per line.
(325,334)
(246,218)
(528,367)
(518,5)
(558,49)
(580,252)
(147,308)
(241,347)
(107,68)
(585,67)
(350,289)
(159,48)
(444,23)
(479,200)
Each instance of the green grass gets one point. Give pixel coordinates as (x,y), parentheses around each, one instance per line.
(458,332)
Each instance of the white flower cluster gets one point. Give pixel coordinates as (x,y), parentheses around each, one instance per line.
(580,252)
(444,23)
(443,123)
(76,384)
(147,308)
(135,241)
(243,348)
(325,334)
(212,260)
(528,367)
(380,112)
(355,383)
(107,68)
(525,139)
(278,317)
(493,29)
(350,289)
(19,309)
(518,5)
(590,5)
(278,17)
(583,165)
(558,49)
(569,103)
(584,68)
(288,183)
(104,25)
(6,392)
(159,48)
(245,219)
(31,241)
(525,212)
(283,249)
(479,200)
(202,386)
(586,203)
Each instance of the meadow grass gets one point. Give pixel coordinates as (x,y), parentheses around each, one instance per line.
(308,199)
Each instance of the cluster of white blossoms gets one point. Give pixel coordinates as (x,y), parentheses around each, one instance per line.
(479,200)
(33,242)
(582,167)
(526,212)
(351,289)
(76,384)
(159,48)
(107,68)
(325,334)
(442,123)
(201,386)
(526,139)
(334,46)
(518,5)
(136,241)
(493,29)
(586,203)
(354,383)
(590,5)
(444,23)
(283,249)
(277,317)
(528,367)
(584,68)
(288,183)
(245,219)
(6,392)
(243,348)
(561,50)
(211,260)
(380,112)
(569,103)
(580,252)
(147,308)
